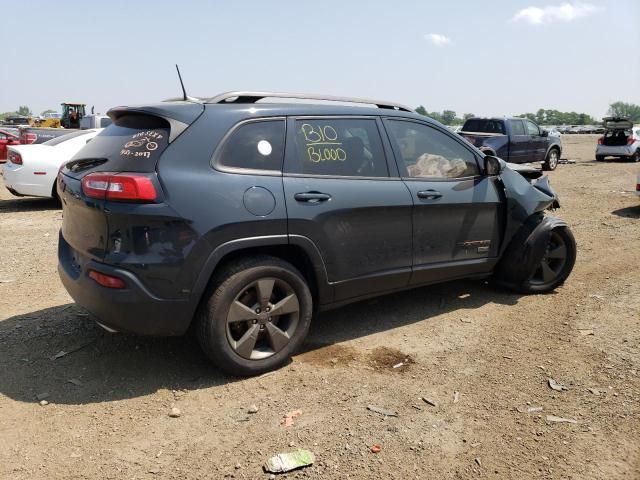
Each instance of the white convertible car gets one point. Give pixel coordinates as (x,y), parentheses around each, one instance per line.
(32,169)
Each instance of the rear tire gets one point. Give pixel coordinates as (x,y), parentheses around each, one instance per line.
(599,158)
(556,265)
(551,162)
(635,157)
(239,328)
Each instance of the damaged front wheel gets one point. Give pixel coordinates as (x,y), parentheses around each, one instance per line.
(556,263)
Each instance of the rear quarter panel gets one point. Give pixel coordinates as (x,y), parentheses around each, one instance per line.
(207,207)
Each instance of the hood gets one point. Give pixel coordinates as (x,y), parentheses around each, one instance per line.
(527,171)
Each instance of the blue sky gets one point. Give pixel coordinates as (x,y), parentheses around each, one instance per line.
(488,58)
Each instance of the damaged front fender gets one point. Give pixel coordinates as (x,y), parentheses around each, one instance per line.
(523,199)
(527,230)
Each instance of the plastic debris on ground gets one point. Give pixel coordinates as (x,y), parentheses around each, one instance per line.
(285,462)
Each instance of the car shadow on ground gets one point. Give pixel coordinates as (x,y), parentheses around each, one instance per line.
(28,204)
(60,353)
(610,160)
(628,212)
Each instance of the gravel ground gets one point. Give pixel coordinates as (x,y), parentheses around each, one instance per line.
(109,395)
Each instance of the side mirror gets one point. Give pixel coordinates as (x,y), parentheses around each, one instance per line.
(544,133)
(492,165)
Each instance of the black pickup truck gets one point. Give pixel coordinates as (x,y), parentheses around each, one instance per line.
(515,140)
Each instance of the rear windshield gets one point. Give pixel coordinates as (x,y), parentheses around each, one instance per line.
(63,138)
(134,143)
(484,126)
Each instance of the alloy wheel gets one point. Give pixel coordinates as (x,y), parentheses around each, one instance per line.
(553,159)
(553,261)
(262,318)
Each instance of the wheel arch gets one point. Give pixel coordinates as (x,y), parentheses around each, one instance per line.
(552,147)
(300,251)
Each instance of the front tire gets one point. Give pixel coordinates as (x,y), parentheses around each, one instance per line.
(556,265)
(551,162)
(258,313)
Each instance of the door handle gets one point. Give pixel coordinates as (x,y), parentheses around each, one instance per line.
(312,197)
(429,194)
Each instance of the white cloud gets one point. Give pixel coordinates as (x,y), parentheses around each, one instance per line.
(438,39)
(566,12)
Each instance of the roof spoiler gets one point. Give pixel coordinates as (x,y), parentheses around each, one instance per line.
(178,117)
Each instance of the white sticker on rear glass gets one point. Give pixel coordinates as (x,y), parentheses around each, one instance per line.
(142,144)
(264,148)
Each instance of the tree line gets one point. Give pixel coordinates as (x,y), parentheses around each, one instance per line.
(23,111)
(544,116)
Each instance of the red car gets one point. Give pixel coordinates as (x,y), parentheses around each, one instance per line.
(6,139)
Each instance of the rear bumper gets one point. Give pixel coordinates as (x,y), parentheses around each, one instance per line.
(132,309)
(615,151)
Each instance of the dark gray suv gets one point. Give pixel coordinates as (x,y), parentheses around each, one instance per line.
(242,218)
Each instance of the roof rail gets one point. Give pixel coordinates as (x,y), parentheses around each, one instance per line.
(253,97)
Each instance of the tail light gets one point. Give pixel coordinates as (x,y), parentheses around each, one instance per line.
(630,140)
(27,138)
(15,157)
(638,187)
(119,187)
(601,141)
(108,281)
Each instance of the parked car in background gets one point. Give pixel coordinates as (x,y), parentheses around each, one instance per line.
(7,138)
(37,135)
(15,121)
(94,120)
(515,140)
(553,132)
(244,218)
(621,139)
(32,169)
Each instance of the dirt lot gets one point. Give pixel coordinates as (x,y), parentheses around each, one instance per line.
(110,395)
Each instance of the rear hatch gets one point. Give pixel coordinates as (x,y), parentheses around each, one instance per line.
(128,149)
(618,132)
(617,123)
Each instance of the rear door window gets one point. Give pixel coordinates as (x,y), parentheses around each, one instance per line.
(255,145)
(345,147)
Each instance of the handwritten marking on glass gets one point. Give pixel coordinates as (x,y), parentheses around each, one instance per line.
(322,143)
